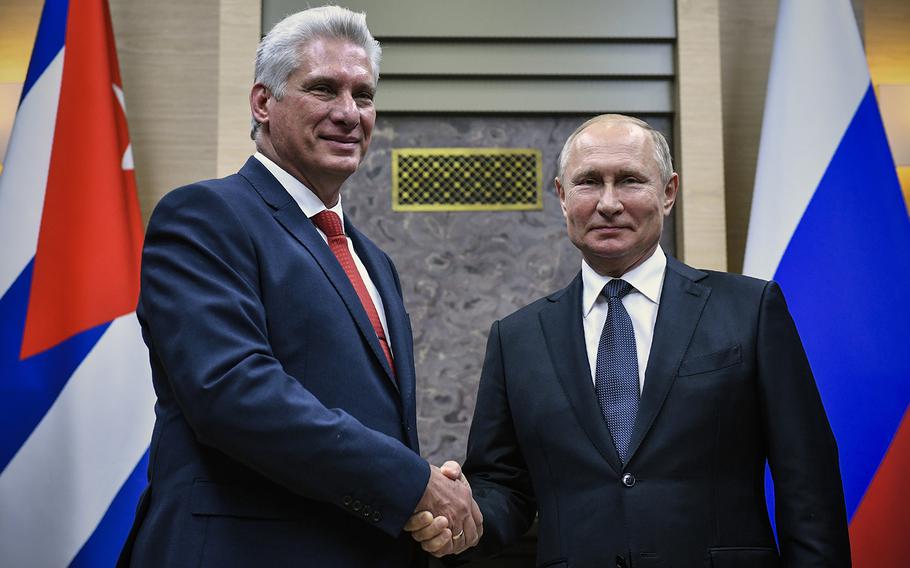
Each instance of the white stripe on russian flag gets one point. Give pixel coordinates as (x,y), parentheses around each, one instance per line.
(817,81)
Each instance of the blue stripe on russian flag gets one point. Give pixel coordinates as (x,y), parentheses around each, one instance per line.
(50,39)
(844,273)
(29,388)
(103,547)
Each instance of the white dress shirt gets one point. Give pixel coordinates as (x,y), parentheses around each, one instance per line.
(648,280)
(311,205)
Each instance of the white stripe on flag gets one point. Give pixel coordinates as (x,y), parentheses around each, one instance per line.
(818,78)
(24,178)
(58,487)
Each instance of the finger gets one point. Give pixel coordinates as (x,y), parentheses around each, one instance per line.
(478,521)
(418,521)
(431,531)
(451,469)
(469,537)
(476,514)
(440,544)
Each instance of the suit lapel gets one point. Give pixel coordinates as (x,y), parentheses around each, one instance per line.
(564,333)
(289,215)
(681,303)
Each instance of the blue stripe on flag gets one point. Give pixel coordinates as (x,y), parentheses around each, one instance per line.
(28,388)
(48,42)
(103,547)
(844,275)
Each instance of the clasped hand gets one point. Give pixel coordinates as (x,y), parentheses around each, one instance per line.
(447,520)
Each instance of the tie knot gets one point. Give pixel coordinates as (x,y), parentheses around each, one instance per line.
(329,223)
(617,288)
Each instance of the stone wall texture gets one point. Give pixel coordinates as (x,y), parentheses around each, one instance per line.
(460,271)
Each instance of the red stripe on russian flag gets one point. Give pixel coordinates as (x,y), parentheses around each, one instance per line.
(86,270)
(878,532)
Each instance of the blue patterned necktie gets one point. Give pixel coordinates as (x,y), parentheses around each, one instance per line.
(616,376)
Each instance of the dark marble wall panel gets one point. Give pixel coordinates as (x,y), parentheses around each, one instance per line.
(462,270)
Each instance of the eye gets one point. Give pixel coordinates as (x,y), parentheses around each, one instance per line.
(586,180)
(320,89)
(365,98)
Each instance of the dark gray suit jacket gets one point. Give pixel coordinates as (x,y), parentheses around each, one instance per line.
(727,388)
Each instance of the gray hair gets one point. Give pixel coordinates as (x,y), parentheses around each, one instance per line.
(661,148)
(278,55)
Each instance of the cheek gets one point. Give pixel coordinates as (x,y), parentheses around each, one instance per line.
(367,119)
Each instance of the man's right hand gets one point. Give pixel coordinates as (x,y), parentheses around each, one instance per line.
(447,519)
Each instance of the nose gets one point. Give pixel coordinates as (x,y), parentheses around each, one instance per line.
(345,111)
(609,203)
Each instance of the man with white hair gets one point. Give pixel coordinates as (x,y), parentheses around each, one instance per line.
(281,351)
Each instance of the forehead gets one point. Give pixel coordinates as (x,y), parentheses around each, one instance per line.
(335,57)
(612,142)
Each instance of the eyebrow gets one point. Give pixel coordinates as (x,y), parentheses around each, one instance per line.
(334,80)
(590,172)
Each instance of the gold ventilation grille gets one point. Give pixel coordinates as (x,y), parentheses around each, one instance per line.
(466,179)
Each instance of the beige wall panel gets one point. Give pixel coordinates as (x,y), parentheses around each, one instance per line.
(747,36)
(185,82)
(501,18)
(18,24)
(168,54)
(238,38)
(525,58)
(525,95)
(887,27)
(701,228)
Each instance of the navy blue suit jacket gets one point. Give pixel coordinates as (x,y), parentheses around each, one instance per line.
(727,388)
(282,437)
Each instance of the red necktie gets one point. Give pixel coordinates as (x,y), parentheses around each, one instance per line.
(330,224)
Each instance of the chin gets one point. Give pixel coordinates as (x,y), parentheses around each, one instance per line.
(345,167)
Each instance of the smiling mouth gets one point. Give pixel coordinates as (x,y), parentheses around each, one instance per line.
(342,139)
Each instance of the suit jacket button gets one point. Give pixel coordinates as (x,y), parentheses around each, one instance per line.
(376,517)
(628,480)
(366,511)
(346,500)
(357,505)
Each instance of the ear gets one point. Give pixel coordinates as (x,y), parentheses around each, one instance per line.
(561,192)
(671,190)
(259,98)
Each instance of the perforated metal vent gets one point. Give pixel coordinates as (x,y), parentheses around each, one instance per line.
(462,179)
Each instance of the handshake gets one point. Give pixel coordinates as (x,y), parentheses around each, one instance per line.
(446,520)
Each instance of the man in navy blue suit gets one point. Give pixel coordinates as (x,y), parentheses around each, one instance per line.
(281,350)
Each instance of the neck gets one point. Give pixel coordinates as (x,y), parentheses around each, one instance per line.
(616,268)
(326,188)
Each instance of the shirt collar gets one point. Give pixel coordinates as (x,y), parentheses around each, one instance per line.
(308,202)
(647,278)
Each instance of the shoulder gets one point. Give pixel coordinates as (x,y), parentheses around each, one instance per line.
(567,297)
(221,192)
(219,203)
(719,281)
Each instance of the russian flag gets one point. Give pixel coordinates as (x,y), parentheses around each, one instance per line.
(76,402)
(829,223)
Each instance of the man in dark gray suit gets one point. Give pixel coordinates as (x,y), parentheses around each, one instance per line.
(634,410)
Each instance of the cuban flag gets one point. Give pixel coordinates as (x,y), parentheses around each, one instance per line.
(829,223)
(76,402)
